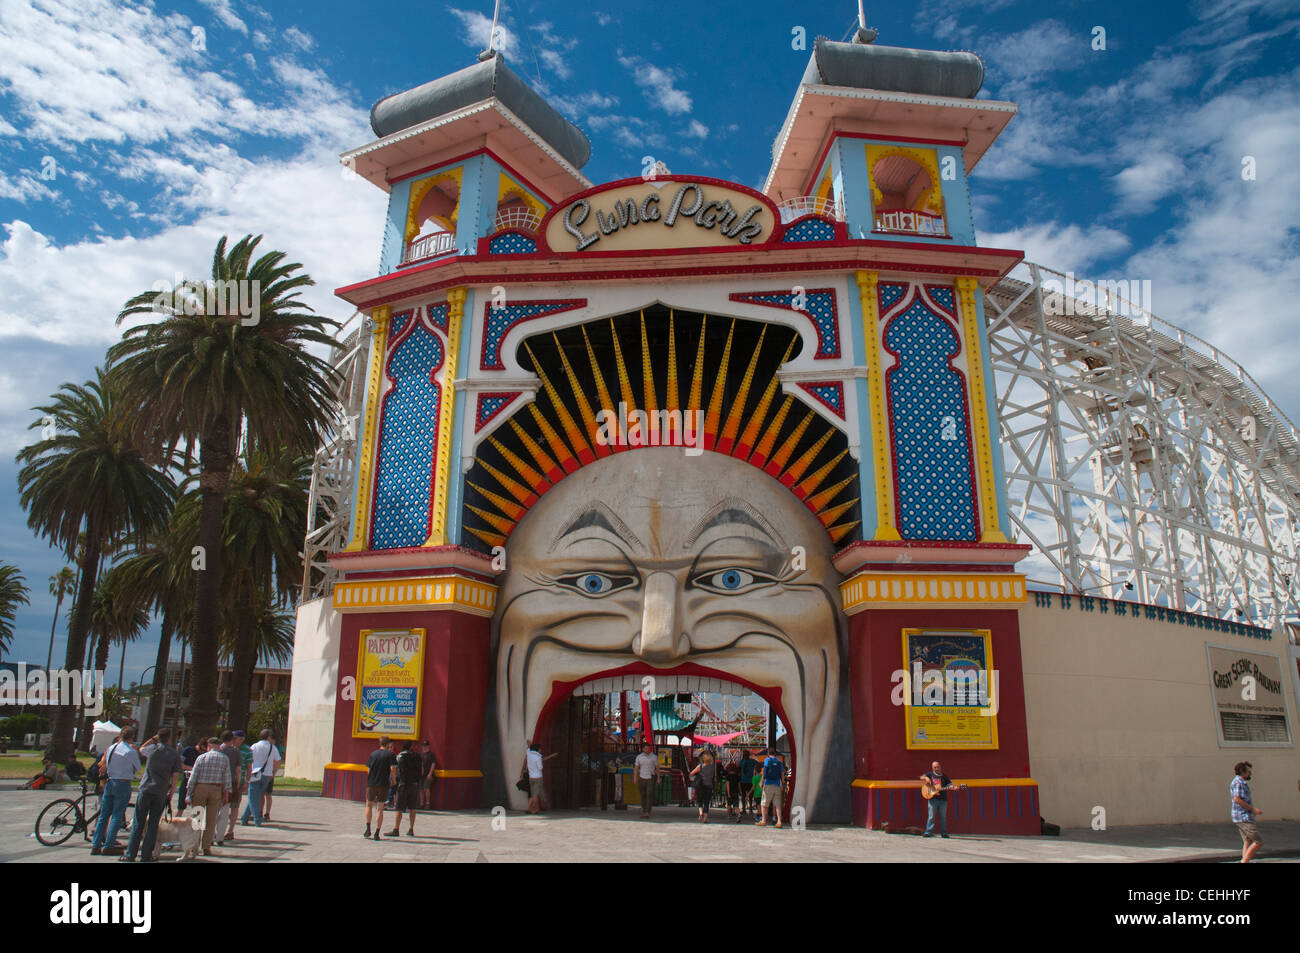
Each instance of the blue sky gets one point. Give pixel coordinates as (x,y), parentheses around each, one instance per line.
(129,143)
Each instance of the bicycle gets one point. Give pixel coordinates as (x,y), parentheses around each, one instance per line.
(62,818)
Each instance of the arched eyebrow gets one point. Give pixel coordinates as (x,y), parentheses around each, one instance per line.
(597,516)
(734,512)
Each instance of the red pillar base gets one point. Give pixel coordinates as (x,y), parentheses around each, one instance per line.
(980,809)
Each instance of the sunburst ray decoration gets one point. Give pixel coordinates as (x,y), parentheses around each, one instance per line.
(734,361)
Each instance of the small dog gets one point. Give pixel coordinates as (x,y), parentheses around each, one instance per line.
(186,830)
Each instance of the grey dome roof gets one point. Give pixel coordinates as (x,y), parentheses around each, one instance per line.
(485,80)
(894,69)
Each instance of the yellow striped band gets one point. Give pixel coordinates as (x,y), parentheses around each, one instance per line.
(459,592)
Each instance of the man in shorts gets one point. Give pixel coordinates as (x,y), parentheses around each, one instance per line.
(773,772)
(1244,812)
(428,765)
(408,789)
(381,768)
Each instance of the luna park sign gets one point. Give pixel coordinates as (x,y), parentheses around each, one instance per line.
(660,215)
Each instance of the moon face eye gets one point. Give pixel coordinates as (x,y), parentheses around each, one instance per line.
(731,581)
(595,584)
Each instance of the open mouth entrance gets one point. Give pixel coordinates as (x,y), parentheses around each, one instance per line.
(597,727)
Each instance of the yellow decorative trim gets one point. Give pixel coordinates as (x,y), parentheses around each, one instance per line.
(344,766)
(992,531)
(969,782)
(446,418)
(420,189)
(370,433)
(875,589)
(509,186)
(417,592)
(457,773)
(926,158)
(885,526)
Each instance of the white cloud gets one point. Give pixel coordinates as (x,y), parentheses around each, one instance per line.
(697,130)
(1154,177)
(1064,248)
(298,38)
(476,29)
(659,85)
(224,12)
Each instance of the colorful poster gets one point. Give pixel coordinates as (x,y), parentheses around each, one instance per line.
(390,673)
(1249,701)
(949,688)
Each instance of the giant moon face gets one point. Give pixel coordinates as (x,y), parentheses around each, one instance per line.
(651,559)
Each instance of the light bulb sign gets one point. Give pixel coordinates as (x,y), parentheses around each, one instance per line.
(636,215)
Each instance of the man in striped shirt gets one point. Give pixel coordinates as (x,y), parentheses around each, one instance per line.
(210,787)
(1244,811)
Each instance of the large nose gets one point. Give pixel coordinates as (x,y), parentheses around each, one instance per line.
(662,638)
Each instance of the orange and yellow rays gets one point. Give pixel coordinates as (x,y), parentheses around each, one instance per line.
(818,500)
(584,408)
(651,405)
(759,456)
(830,515)
(697,375)
(500,523)
(510,508)
(714,415)
(492,539)
(602,392)
(837,533)
(791,476)
(525,496)
(534,479)
(554,473)
(728,436)
(815,479)
(571,428)
(624,386)
(558,446)
(745,445)
(782,456)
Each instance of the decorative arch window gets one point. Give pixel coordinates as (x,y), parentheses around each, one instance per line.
(906,194)
(517,208)
(431,216)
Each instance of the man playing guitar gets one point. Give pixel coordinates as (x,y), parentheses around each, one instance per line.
(939,785)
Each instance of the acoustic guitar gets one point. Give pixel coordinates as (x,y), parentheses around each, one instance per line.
(929,790)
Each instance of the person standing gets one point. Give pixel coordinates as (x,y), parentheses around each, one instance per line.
(155,792)
(1244,811)
(428,765)
(534,766)
(230,749)
(209,788)
(120,763)
(773,774)
(381,767)
(748,768)
(269,787)
(731,778)
(262,768)
(647,772)
(706,771)
(408,789)
(189,754)
(938,805)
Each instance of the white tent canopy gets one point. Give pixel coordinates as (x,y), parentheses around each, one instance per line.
(102,736)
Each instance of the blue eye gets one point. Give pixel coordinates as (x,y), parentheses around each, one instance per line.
(732,579)
(595,583)
(729,581)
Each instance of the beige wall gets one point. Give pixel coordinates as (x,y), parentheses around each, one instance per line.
(314,692)
(1120,715)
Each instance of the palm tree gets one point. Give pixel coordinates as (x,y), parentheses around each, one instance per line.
(87,476)
(13,593)
(116,616)
(158,575)
(266,520)
(61,584)
(197,375)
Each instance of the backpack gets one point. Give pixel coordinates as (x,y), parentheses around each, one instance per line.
(773,771)
(408,767)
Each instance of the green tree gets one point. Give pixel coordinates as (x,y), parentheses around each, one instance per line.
(86,475)
(273,713)
(61,583)
(13,593)
(199,374)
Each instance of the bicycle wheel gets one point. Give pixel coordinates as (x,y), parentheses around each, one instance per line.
(57,822)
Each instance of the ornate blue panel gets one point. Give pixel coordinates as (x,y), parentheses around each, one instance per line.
(511,243)
(928,421)
(818,305)
(810,230)
(407,437)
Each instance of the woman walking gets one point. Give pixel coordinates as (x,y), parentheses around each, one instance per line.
(707,770)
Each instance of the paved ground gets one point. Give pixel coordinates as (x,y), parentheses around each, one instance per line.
(312,829)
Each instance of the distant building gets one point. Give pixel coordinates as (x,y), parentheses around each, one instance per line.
(266,682)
